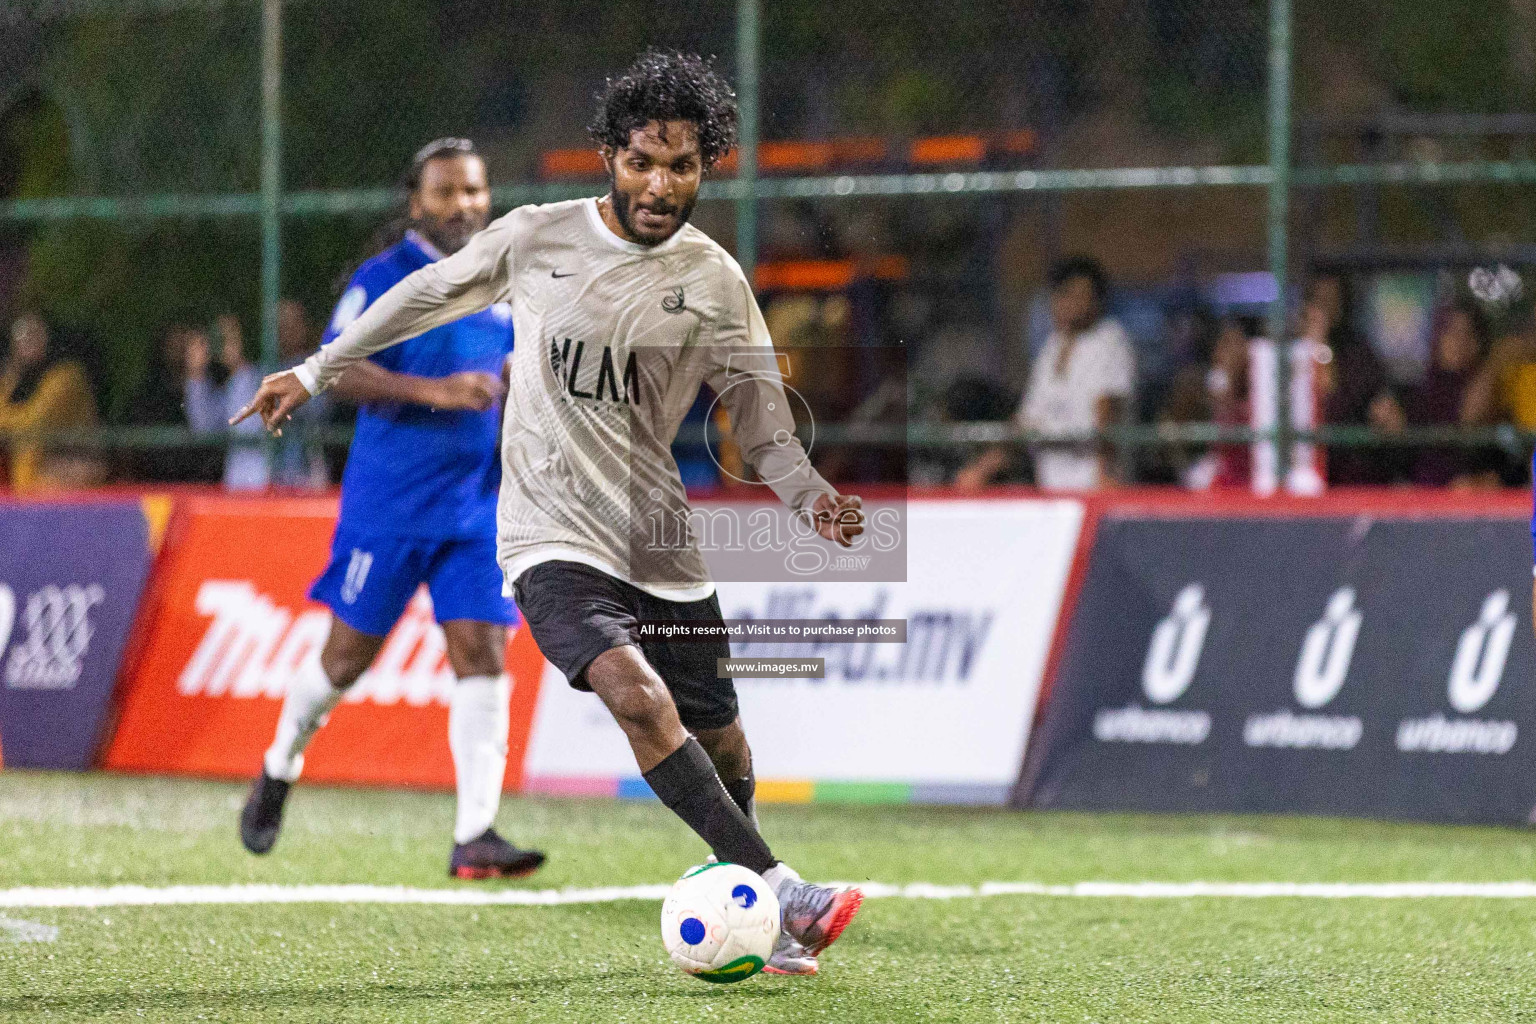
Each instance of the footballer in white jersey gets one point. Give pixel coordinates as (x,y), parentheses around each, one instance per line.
(622,309)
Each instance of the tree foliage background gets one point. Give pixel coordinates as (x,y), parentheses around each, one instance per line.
(136,97)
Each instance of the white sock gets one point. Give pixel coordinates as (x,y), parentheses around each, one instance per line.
(478,717)
(306,707)
(779,874)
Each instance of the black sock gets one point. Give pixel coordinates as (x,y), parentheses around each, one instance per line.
(687,783)
(741,791)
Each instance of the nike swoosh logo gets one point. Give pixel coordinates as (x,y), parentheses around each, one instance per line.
(556,273)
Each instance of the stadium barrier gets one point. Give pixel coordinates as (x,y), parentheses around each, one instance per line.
(71,575)
(943,718)
(1357,655)
(226,622)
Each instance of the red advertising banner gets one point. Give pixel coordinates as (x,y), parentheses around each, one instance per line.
(226,624)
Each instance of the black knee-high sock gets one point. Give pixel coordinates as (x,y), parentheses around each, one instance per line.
(742,792)
(687,783)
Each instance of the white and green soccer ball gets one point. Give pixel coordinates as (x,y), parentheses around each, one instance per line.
(720,922)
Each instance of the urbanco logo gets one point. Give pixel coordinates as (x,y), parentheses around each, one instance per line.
(1178,640)
(1327,651)
(1477,670)
(1481,655)
(1321,669)
(1173,658)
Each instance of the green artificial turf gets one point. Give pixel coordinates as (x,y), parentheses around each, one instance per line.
(1014,958)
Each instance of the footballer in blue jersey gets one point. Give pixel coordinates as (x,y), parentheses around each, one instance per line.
(418,506)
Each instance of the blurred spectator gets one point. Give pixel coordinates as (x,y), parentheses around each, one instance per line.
(1354,380)
(1185,397)
(1504,388)
(216,390)
(1185,351)
(1081,381)
(1230,385)
(953,349)
(1215,390)
(1241,389)
(968,399)
(1440,400)
(160,402)
(159,397)
(1504,391)
(42,391)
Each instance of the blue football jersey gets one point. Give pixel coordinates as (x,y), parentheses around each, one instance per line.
(414,472)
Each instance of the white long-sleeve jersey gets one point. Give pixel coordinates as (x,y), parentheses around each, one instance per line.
(613,341)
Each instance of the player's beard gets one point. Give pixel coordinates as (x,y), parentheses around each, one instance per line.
(450,234)
(623,208)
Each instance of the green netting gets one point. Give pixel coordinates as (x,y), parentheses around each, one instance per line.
(970,142)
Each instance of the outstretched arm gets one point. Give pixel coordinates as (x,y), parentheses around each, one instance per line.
(367,381)
(748,376)
(464,283)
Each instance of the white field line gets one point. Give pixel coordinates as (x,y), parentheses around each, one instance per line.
(207,895)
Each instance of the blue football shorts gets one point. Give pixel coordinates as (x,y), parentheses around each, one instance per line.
(371,579)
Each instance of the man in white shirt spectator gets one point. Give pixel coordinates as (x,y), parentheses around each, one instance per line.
(1081,381)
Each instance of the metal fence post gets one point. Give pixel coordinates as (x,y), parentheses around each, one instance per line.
(746,174)
(271,175)
(1279,213)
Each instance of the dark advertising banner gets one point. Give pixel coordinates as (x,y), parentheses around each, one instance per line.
(70,580)
(1360,666)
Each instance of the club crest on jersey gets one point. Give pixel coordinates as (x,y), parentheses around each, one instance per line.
(606,384)
(349,308)
(674,303)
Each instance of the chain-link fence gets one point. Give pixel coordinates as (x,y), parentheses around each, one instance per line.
(1415,216)
(175,169)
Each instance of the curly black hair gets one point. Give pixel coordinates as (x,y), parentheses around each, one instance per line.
(663,85)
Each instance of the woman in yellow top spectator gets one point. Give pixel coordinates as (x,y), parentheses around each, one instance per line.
(42,392)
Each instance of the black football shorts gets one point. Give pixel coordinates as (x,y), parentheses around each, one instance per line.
(576,612)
